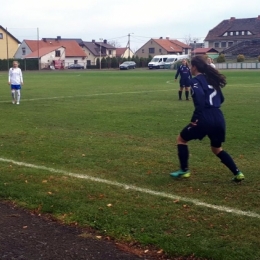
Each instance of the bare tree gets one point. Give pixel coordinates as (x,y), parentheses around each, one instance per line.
(115,44)
(188,39)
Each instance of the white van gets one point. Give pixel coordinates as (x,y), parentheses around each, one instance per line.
(173,59)
(158,61)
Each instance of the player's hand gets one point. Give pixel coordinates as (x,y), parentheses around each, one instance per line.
(194,123)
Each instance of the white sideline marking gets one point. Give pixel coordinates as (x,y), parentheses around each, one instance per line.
(136,188)
(92,95)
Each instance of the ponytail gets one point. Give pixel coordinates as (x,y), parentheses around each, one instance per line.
(213,77)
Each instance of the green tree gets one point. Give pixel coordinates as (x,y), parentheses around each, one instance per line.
(114,63)
(221,58)
(240,58)
(98,63)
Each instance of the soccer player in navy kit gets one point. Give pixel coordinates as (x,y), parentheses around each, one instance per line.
(207,118)
(185,76)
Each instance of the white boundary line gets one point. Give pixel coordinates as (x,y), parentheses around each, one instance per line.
(169,82)
(93,95)
(136,188)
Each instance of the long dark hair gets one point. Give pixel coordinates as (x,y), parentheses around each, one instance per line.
(213,77)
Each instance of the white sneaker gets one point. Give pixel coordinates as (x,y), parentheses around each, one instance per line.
(13,101)
(17,103)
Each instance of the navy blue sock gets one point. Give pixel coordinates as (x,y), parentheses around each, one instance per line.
(187,94)
(183,153)
(180,94)
(228,161)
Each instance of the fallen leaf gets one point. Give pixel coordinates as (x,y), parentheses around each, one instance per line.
(109,205)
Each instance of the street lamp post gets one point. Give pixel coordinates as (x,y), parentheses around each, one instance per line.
(101,39)
(129,44)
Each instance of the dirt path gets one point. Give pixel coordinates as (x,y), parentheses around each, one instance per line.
(24,235)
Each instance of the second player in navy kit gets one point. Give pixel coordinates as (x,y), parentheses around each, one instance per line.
(185,76)
(207,118)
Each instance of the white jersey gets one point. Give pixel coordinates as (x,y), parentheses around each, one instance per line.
(212,65)
(15,76)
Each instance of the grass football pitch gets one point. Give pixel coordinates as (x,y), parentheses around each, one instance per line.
(96,148)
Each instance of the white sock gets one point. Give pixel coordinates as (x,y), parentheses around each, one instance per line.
(18,92)
(13,94)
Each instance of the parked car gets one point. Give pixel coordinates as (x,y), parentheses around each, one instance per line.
(76,66)
(127,65)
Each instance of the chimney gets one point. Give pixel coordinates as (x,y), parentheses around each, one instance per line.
(232,18)
(93,40)
(161,38)
(258,17)
(44,39)
(105,41)
(167,38)
(58,38)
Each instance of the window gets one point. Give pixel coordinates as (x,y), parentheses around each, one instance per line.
(23,51)
(231,33)
(57,53)
(237,32)
(142,50)
(160,50)
(1,36)
(223,44)
(216,44)
(243,32)
(225,34)
(110,52)
(75,61)
(186,51)
(151,50)
(230,44)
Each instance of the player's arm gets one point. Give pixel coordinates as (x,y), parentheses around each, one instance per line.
(177,73)
(198,97)
(9,77)
(21,77)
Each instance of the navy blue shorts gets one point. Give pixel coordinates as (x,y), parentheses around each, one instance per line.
(184,82)
(16,87)
(215,130)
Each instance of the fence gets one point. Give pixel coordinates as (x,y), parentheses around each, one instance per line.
(238,65)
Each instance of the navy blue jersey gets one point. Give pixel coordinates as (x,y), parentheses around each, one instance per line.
(205,97)
(184,72)
(207,114)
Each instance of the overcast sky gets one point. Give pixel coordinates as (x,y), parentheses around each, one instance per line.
(115,19)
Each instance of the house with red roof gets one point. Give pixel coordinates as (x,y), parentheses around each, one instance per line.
(211,52)
(50,51)
(163,47)
(124,53)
